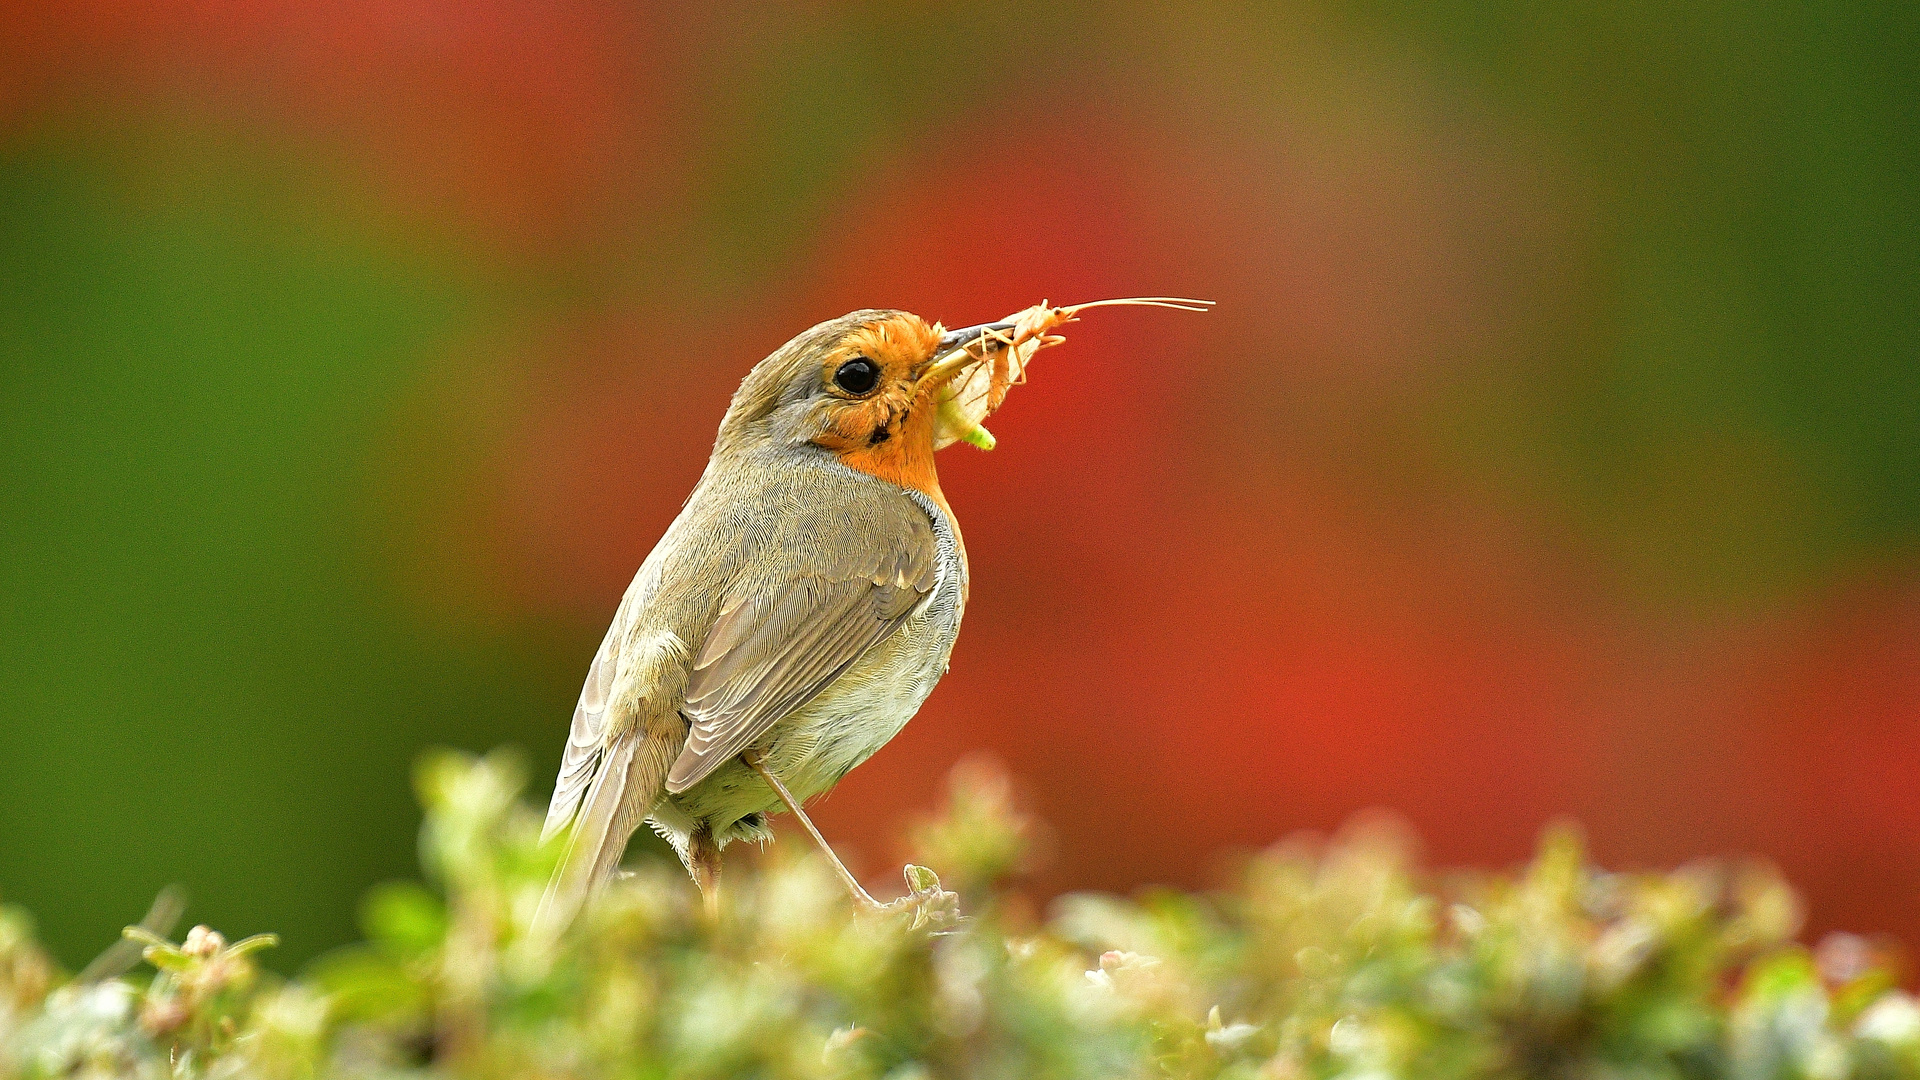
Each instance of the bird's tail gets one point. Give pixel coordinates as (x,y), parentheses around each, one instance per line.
(629,782)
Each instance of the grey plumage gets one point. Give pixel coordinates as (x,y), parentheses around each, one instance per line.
(778,643)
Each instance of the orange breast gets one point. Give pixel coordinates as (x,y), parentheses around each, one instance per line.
(891,434)
(906,459)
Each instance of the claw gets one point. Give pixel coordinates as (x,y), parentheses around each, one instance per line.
(929,904)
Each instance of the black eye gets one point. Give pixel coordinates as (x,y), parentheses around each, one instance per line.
(857,376)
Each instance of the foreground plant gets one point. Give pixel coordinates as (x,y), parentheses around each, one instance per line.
(1325,960)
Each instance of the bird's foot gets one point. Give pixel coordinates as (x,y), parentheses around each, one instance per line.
(928,903)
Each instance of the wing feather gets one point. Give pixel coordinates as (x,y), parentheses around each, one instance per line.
(778,644)
(586,738)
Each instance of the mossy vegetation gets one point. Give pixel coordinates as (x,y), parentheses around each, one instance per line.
(1336,959)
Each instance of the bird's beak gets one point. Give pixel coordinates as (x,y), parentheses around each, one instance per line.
(960,339)
(951,356)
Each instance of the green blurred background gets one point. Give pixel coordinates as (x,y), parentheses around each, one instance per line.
(1554,450)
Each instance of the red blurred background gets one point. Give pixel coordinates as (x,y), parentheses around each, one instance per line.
(1550,453)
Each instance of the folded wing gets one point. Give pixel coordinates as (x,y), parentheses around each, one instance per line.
(786,634)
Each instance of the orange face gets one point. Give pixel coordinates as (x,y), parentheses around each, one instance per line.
(883,421)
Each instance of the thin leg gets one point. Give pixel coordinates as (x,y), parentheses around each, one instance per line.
(853,884)
(703,861)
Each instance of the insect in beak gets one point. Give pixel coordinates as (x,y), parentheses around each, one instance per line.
(953,354)
(972,368)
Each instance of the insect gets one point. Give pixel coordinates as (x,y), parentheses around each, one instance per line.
(1003,351)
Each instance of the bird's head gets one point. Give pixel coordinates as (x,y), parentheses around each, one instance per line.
(866,386)
(883,389)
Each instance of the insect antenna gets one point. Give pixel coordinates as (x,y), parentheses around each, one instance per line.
(1178,303)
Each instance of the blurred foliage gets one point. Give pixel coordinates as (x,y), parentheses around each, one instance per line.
(245,302)
(1323,960)
(201,356)
(1723,413)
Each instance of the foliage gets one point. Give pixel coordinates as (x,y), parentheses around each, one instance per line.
(1324,960)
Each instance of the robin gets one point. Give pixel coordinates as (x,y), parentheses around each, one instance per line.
(798,611)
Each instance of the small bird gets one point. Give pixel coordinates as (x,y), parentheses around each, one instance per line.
(798,611)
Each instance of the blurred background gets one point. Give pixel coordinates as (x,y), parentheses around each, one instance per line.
(1554,450)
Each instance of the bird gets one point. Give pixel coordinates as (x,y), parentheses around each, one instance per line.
(789,622)
(800,608)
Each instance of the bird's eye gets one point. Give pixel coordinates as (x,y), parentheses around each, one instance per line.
(857,376)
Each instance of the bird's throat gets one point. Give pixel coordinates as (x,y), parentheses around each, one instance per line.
(900,453)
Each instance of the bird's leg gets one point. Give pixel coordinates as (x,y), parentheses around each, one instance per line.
(703,861)
(925,897)
(759,766)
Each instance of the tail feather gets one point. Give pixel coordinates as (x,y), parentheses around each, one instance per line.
(629,783)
